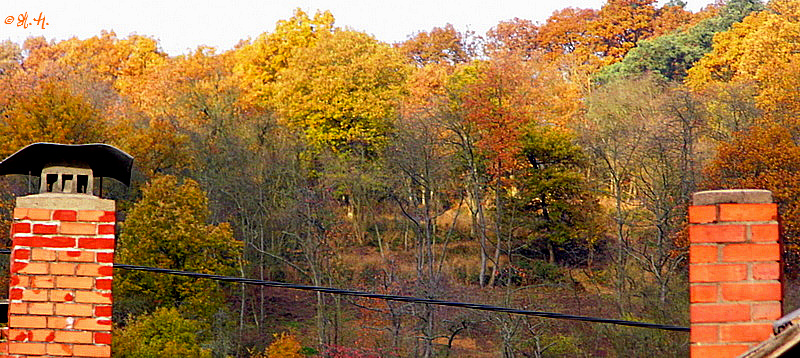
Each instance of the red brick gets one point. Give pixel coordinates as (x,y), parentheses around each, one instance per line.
(102,311)
(704,334)
(21,254)
(15,293)
(745,332)
(40,308)
(766,271)
(23,241)
(41,335)
(62,268)
(703,254)
(84,350)
(74,282)
(92,324)
(34,295)
(748,212)
(103,284)
(61,296)
(65,215)
(751,252)
(717,233)
(41,254)
(712,313)
(107,270)
(105,257)
(44,229)
(769,311)
(770,291)
(42,282)
(18,308)
(74,309)
(27,348)
(20,281)
(89,270)
(20,213)
(92,297)
(96,215)
(17,266)
(58,241)
(105,230)
(20,228)
(69,228)
(762,233)
(37,214)
(55,349)
(102,338)
(18,334)
(718,351)
(703,293)
(33,268)
(27,321)
(76,256)
(717,272)
(73,337)
(93,243)
(90,215)
(109,217)
(58,322)
(702,214)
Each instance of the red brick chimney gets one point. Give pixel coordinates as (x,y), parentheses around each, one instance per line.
(61,274)
(62,251)
(735,271)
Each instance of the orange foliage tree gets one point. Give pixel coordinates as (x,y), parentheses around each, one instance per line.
(764,158)
(440,45)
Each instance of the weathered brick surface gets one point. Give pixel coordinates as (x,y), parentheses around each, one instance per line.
(717,233)
(39,254)
(750,291)
(76,256)
(717,272)
(703,293)
(751,252)
(699,254)
(718,350)
(767,232)
(69,228)
(704,334)
(60,284)
(74,309)
(748,212)
(745,332)
(734,274)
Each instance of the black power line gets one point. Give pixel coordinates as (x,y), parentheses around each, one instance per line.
(337,291)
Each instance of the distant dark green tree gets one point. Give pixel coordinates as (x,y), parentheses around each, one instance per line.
(554,198)
(670,56)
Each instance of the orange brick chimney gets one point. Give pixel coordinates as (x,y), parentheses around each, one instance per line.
(62,252)
(61,274)
(735,271)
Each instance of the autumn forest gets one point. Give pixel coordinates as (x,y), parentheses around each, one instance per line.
(543,166)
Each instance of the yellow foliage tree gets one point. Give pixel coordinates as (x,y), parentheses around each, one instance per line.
(342,91)
(46,112)
(259,62)
(764,50)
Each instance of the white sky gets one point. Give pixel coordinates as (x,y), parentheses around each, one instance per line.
(182,25)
